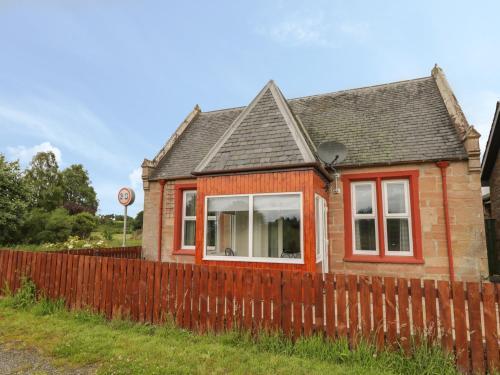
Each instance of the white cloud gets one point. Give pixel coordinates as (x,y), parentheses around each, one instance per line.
(25,154)
(136,178)
(67,123)
(299,29)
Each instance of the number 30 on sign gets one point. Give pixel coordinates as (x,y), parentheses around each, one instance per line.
(126,196)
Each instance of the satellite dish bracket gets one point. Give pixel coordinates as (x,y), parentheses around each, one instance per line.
(331,153)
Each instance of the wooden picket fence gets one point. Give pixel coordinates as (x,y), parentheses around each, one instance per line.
(129,252)
(463,317)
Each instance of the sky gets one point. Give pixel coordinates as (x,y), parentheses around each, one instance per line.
(105,83)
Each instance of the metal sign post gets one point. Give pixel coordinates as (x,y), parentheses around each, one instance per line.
(126,197)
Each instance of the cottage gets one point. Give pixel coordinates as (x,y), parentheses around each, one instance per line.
(245,187)
(490,176)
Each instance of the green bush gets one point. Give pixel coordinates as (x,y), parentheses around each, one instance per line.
(43,227)
(83,224)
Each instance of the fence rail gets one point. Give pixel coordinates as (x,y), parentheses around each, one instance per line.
(130,252)
(463,317)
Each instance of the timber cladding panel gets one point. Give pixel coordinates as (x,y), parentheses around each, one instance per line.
(254,183)
(462,317)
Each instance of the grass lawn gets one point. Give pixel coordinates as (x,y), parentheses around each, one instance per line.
(81,338)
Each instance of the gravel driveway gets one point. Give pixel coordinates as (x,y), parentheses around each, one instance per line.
(29,361)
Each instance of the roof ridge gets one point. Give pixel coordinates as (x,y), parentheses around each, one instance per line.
(360,88)
(329,93)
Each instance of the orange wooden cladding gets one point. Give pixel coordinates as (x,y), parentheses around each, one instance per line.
(306,181)
(463,317)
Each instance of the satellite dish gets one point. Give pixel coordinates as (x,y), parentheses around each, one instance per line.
(332,152)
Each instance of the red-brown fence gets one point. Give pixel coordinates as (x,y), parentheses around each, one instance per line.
(462,316)
(129,252)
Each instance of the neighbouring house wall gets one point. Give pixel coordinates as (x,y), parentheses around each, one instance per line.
(466,221)
(150,231)
(495,196)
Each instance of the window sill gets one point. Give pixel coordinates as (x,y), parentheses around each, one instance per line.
(387,259)
(252,260)
(183,252)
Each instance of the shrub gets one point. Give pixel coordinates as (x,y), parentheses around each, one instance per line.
(83,224)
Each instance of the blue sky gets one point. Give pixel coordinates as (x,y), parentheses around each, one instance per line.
(104,83)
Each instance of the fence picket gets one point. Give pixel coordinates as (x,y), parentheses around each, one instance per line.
(390,310)
(476,337)
(430,310)
(490,327)
(378,312)
(364,296)
(443,288)
(404,314)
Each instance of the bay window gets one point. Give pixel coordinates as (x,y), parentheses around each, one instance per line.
(254,227)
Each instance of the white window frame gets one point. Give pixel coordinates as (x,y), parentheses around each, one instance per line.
(187,218)
(373,215)
(405,215)
(250,257)
(321,225)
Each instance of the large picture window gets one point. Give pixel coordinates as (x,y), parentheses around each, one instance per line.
(254,227)
(382,217)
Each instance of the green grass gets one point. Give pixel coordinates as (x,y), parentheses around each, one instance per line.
(122,347)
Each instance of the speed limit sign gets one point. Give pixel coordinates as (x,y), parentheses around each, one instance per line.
(126,196)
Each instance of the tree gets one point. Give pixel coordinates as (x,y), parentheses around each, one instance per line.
(83,224)
(138,221)
(78,193)
(43,227)
(43,178)
(14,198)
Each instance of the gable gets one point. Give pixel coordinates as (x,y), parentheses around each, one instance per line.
(265,134)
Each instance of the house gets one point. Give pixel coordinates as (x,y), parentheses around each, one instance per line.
(244,186)
(490,176)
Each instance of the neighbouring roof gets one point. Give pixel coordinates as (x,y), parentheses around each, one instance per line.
(398,122)
(492,148)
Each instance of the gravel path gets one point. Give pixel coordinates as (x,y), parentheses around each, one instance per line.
(30,362)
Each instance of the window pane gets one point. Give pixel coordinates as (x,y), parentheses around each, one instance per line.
(398,235)
(396,198)
(189,232)
(365,234)
(211,232)
(230,227)
(190,203)
(363,199)
(276,226)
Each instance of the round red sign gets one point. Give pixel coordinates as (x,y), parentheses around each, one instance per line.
(126,196)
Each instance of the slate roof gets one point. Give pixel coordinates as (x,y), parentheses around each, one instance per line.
(398,122)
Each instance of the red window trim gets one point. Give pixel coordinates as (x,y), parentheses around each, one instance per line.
(178,197)
(378,177)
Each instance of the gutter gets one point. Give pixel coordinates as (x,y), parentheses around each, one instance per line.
(160,218)
(443,165)
(282,167)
